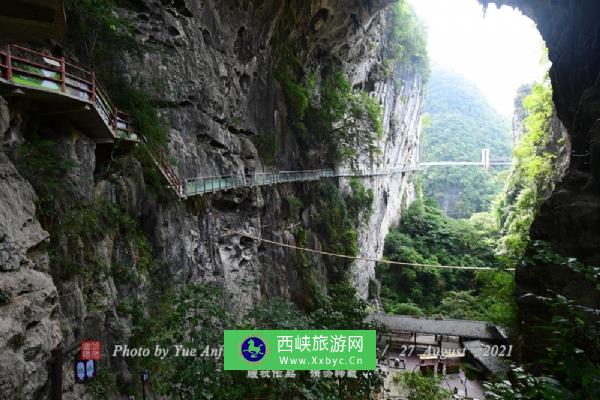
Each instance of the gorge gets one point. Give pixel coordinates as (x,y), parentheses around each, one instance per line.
(94,244)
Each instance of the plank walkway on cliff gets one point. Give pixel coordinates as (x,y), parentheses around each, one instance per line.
(65,88)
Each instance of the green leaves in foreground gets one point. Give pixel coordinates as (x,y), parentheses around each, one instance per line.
(194,316)
(418,387)
(427,236)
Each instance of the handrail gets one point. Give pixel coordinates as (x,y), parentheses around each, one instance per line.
(68,80)
(100,91)
(210,184)
(77,67)
(35,64)
(164,166)
(77,78)
(48,73)
(27,50)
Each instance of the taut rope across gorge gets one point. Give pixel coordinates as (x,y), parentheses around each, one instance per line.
(383,261)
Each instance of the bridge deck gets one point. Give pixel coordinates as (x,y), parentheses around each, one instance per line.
(462,163)
(202,185)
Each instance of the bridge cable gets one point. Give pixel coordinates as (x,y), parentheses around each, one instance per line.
(406,264)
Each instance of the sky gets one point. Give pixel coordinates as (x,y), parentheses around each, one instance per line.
(498,52)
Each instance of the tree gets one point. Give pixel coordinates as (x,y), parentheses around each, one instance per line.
(534,174)
(427,236)
(420,387)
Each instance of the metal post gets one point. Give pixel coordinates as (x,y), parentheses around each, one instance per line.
(143,387)
(63,83)
(56,369)
(129,126)
(94,87)
(8,64)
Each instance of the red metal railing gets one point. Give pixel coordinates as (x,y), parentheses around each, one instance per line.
(165,167)
(45,72)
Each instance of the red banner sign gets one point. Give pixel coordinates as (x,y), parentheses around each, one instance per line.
(90,350)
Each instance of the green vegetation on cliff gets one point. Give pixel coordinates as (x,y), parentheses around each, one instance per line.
(45,166)
(406,40)
(327,115)
(427,236)
(97,30)
(336,217)
(533,175)
(338,122)
(459,124)
(101,37)
(563,334)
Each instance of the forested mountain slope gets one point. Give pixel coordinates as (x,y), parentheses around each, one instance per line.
(459,123)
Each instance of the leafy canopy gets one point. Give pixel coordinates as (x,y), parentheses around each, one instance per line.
(533,175)
(427,236)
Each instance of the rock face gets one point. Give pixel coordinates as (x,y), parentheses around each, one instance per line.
(392,194)
(211,64)
(29,324)
(569,218)
(518,122)
(217,66)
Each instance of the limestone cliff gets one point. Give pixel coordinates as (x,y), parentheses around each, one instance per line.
(519,115)
(392,194)
(569,219)
(210,67)
(29,326)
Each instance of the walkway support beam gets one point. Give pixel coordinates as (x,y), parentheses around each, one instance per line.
(28,20)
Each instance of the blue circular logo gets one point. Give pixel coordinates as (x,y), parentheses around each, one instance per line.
(253,349)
